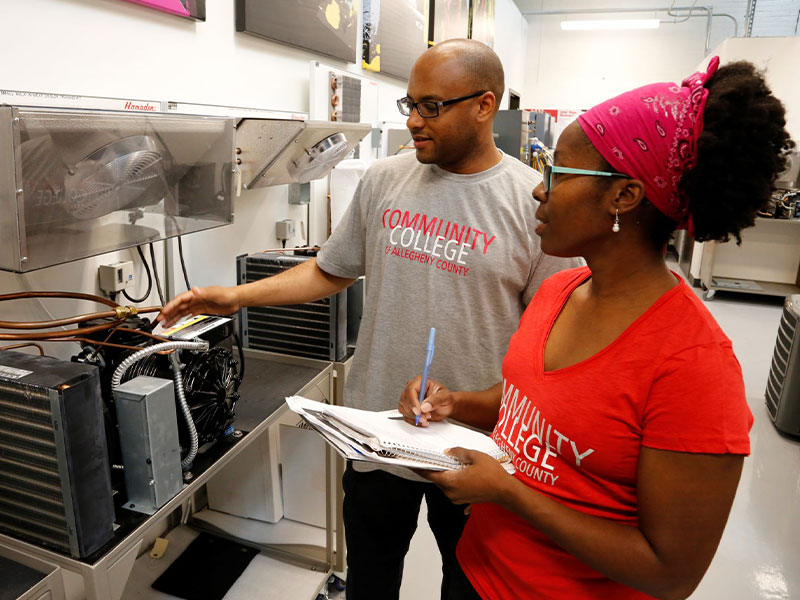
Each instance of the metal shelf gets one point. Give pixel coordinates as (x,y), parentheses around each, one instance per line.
(781,233)
(768,288)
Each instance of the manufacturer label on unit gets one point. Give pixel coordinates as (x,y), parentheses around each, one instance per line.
(20,98)
(12,373)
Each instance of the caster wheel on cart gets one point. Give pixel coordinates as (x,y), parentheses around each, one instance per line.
(709,294)
(322,597)
(337,582)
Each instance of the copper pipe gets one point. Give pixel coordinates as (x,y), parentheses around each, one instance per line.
(41,350)
(72,295)
(59,322)
(56,322)
(52,335)
(118,316)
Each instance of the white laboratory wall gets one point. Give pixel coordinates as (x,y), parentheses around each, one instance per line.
(510,43)
(116,49)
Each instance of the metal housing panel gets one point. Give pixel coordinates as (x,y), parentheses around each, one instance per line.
(263,166)
(78,183)
(9,228)
(148,433)
(55,487)
(783,384)
(313,330)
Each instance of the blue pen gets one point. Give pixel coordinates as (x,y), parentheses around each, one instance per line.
(428,358)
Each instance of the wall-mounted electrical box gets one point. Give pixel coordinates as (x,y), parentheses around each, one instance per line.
(116,276)
(78,183)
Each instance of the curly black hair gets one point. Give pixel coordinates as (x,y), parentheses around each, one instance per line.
(741,151)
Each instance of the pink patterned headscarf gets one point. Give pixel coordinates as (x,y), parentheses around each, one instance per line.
(651,133)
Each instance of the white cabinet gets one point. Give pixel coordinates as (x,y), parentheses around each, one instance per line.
(766,263)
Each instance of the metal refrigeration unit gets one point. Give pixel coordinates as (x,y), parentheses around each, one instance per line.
(511,133)
(55,486)
(274,152)
(783,384)
(325,329)
(78,183)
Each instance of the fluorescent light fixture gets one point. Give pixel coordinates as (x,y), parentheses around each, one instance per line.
(580,25)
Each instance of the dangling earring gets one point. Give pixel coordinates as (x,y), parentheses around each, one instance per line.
(615,227)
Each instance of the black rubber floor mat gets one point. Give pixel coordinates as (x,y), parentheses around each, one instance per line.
(16,579)
(206,570)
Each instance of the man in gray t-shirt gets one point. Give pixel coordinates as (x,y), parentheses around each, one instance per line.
(439,249)
(446,239)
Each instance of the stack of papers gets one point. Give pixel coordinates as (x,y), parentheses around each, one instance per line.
(384,437)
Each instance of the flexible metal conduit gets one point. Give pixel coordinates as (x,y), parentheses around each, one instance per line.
(708,14)
(126,364)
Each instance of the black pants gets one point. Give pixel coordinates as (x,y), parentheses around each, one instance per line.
(380,516)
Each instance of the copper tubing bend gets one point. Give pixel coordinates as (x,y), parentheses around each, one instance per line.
(118,315)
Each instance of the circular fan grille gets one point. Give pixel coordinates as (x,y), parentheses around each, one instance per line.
(114,176)
(319,159)
(212,381)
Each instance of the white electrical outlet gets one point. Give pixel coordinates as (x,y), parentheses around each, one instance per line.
(116,276)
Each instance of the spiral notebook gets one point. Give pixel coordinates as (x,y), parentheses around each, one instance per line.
(384,437)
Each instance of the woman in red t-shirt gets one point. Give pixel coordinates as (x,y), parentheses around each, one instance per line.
(621,403)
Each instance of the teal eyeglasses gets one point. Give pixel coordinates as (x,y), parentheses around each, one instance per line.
(549,170)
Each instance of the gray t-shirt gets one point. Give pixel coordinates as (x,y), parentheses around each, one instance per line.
(439,249)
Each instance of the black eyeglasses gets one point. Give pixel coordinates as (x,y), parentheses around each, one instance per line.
(549,170)
(428,109)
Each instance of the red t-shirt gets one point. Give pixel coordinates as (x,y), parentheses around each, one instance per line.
(670,381)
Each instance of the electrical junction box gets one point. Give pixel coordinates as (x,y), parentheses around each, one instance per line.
(116,276)
(299,193)
(148,435)
(285,229)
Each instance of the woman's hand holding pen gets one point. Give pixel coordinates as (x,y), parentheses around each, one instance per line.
(481,479)
(438,402)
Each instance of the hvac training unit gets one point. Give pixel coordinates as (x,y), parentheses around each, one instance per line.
(78,183)
(55,486)
(783,384)
(324,329)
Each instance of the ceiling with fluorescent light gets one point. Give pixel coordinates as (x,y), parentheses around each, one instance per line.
(770,17)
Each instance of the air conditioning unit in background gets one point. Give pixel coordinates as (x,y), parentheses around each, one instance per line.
(325,329)
(783,384)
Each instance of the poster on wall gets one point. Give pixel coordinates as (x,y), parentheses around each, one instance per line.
(481,21)
(190,9)
(447,19)
(394,35)
(328,27)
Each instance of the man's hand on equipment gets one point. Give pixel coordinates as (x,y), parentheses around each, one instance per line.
(212,300)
